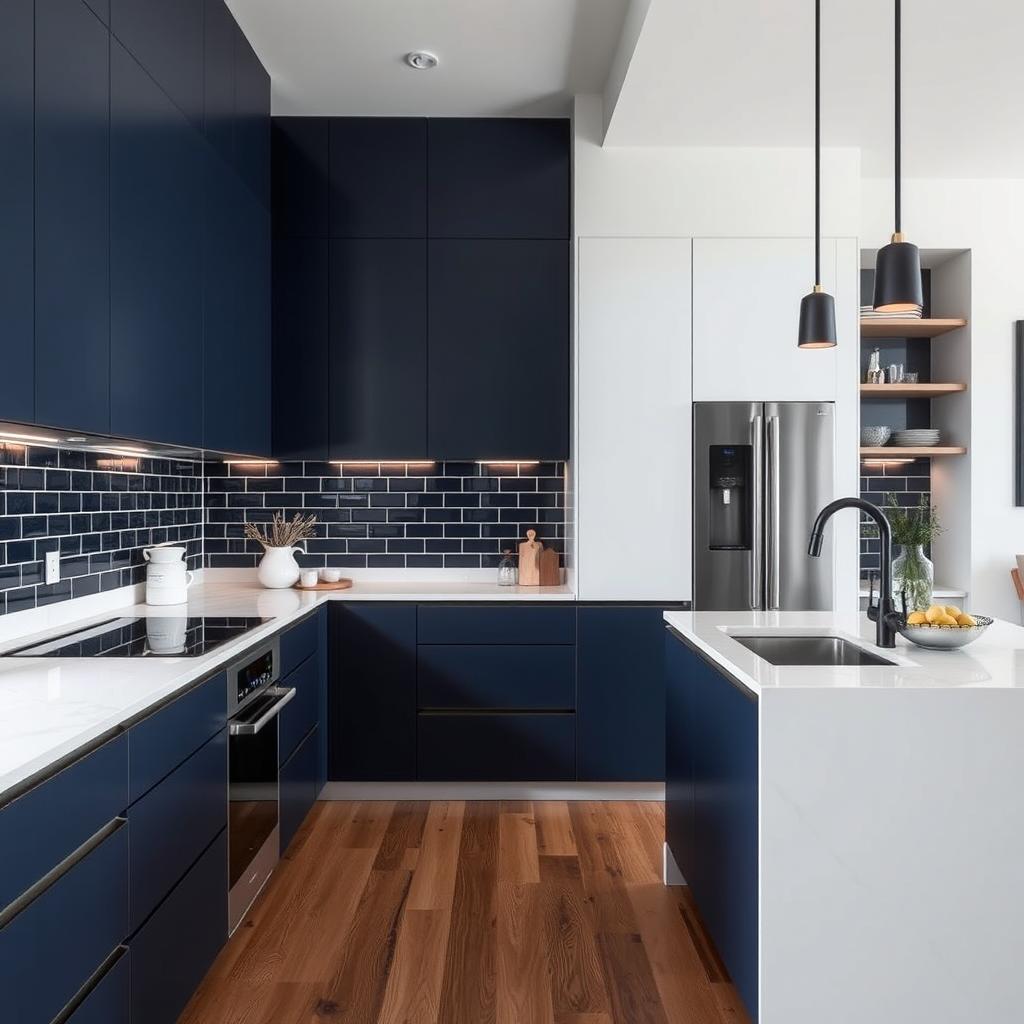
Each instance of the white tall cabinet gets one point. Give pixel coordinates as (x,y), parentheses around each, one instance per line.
(634,420)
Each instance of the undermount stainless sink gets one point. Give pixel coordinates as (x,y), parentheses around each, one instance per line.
(809,650)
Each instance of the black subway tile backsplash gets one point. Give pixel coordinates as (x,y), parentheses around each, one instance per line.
(95,509)
(388,515)
(908,482)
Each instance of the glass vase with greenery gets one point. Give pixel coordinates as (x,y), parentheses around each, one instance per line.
(913,574)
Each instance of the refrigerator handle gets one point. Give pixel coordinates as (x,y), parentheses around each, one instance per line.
(774,528)
(756,546)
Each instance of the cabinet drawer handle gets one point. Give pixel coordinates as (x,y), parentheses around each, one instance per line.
(91,982)
(56,873)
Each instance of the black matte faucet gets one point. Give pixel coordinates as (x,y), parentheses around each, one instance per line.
(885,634)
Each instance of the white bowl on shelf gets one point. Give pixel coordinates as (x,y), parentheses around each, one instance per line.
(875,437)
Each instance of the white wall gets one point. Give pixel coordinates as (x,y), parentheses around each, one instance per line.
(987,218)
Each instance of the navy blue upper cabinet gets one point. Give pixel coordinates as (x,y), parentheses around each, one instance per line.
(300,392)
(252,120)
(16,210)
(498,308)
(101,8)
(219,78)
(498,178)
(236,323)
(622,694)
(378,177)
(300,146)
(378,349)
(156,239)
(72,380)
(167,40)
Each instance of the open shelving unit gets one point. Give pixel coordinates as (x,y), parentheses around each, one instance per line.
(910,390)
(909,327)
(891,451)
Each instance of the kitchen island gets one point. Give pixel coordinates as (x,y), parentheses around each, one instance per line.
(852,834)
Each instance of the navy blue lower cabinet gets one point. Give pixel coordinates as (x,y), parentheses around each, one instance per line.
(510,747)
(299,786)
(194,798)
(300,641)
(48,823)
(52,947)
(497,624)
(622,694)
(72,212)
(302,712)
(17,241)
(372,692)
(107,1001)
(176,946)
(680,667)
(499,676)
(164,739)
(721,862)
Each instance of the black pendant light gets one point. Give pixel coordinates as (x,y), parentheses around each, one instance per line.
(898,265)
(817,310)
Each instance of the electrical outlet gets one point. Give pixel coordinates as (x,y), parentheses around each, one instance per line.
(52,566)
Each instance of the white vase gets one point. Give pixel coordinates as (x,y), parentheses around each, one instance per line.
(278,568)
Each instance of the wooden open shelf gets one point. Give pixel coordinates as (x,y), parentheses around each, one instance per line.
(910,390)
(890,451)
(908,327)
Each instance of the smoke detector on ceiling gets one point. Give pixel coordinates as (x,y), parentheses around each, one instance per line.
(421,60)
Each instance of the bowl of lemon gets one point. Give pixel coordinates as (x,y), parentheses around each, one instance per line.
(942,627)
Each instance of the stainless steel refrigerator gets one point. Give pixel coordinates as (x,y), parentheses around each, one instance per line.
(761,473)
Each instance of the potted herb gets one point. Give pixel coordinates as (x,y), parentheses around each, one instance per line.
(912,572)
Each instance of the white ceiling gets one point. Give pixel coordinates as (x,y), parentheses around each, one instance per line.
(703,72)
(498,57)
(711,73)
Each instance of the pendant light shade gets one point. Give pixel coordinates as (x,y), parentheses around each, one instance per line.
(898,286)
(817,328)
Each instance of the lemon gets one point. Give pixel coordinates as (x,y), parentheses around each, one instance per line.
(933,613)
(916,619)
(945,620)
(951,609)
(964,619)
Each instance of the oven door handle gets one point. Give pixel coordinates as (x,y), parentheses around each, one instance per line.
(251,728)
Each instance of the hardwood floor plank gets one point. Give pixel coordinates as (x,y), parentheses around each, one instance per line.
(433,883)
(517,847)
(601,869)
(554,829)
(356,991)
(585,1018)
(523,989)
(468,991)
(404,831)
(635,842)
(413,993)
(366,827)
(569,932)
(631,984)
(683,985)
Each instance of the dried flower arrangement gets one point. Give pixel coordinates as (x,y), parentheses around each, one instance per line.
(283,533)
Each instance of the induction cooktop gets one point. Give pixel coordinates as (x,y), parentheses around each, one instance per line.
(152,636)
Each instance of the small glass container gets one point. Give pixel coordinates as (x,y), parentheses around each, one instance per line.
(507,574)
(911,378)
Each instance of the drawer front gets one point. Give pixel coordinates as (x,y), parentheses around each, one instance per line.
(52,948)
(50,821)
(497,624)
(159,743)
(176,946)
(107,1001)
(174,822)
(301,713)
(497,677)
(298,787)
(299,643)
(497,748)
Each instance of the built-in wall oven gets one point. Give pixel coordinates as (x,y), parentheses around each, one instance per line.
(254,702)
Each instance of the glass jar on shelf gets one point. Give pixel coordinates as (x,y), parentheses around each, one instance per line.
(507,573)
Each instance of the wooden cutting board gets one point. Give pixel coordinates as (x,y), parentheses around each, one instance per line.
(529,560)
(550,573)
(342,584)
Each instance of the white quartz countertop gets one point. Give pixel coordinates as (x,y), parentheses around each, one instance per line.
(52,707)
(993,661)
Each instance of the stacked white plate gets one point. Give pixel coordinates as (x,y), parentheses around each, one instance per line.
(916,438)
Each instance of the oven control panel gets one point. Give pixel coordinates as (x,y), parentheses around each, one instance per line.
(256,672)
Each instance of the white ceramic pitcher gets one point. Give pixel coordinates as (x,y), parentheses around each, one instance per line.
(278,568)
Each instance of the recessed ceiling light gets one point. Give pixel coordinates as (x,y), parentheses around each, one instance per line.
(421,60)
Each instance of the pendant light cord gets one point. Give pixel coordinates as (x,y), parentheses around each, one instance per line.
(817,141)
(897,161)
